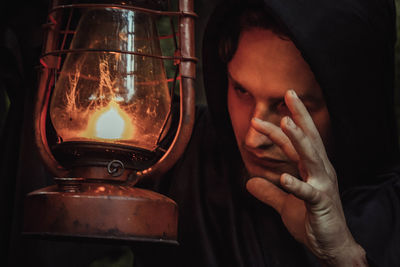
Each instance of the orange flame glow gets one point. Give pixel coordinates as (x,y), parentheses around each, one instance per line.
(110,122)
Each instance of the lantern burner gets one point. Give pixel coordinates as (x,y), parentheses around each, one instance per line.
(95,160)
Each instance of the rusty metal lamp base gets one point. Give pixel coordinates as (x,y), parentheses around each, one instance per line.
(100,211)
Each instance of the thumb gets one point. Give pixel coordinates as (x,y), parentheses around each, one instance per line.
(267,192)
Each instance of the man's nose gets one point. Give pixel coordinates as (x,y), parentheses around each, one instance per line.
(256,140)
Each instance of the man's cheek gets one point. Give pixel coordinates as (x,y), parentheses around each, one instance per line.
(240,129)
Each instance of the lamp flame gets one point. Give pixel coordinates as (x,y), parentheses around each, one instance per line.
(110,122)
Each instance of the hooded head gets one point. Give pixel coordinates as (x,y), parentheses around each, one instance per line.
(348,45)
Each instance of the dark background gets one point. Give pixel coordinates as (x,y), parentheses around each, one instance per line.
(21,170)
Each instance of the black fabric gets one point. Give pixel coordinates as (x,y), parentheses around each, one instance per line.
(373,216)
(349,46)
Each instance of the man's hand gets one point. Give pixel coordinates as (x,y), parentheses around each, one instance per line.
(310,206)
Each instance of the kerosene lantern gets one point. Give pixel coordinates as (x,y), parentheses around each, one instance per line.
(104,119)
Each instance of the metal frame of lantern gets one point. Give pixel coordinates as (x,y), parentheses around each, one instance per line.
(130,213)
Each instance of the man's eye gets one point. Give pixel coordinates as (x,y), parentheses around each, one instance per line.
(282,108)
(240,90)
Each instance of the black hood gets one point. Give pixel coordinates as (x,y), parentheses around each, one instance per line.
(349,45)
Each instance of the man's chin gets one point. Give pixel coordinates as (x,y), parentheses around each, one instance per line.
(271,175)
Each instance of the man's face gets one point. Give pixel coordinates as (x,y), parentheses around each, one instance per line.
(263,68)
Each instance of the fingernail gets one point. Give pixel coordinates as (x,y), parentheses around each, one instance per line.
(288,180)
(293,93)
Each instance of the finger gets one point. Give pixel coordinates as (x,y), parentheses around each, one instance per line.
(276,135)
(310,159)
(267,192)
(303,119)
(300,189)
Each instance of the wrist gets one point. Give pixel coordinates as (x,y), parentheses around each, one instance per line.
(350,255)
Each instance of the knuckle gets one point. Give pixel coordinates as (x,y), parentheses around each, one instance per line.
(300,135)
(331,172)
(315,196)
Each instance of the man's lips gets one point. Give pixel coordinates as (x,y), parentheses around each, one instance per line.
(265,161)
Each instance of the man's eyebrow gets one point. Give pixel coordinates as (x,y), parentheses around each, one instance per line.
(235,83)
(303,97)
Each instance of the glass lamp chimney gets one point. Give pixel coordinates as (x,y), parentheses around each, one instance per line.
(112,97)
